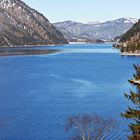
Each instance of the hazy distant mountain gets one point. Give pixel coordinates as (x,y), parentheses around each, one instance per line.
(20,25)
(95,30)
(93,22)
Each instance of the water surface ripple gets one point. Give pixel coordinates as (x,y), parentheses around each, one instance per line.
(39,92)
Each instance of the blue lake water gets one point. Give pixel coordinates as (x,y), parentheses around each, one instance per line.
(39,92)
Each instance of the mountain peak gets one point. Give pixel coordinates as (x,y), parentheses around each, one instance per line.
(127,20)
(93,22)
(133,20)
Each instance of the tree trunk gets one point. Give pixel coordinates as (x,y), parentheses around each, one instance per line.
(83,137)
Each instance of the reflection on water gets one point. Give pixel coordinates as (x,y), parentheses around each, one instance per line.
(14,52)
(51,50)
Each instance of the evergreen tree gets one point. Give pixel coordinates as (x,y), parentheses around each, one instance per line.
(133,113)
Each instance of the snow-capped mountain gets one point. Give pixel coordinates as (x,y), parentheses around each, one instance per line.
(131,20)
(93,22)
(106,31)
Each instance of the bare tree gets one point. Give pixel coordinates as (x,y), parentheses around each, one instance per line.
(88,127)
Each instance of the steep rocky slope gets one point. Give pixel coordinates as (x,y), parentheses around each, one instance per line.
(130,41)
(22,25)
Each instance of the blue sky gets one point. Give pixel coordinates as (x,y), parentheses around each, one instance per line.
(86,10)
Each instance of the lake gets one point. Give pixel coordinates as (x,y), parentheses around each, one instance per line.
(41,89)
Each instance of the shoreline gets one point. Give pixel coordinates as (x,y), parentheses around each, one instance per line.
(130,54)
(30,46)
(49,45)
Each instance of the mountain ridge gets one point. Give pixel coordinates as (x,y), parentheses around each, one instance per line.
(130,41)
(22,25)
(107,30)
